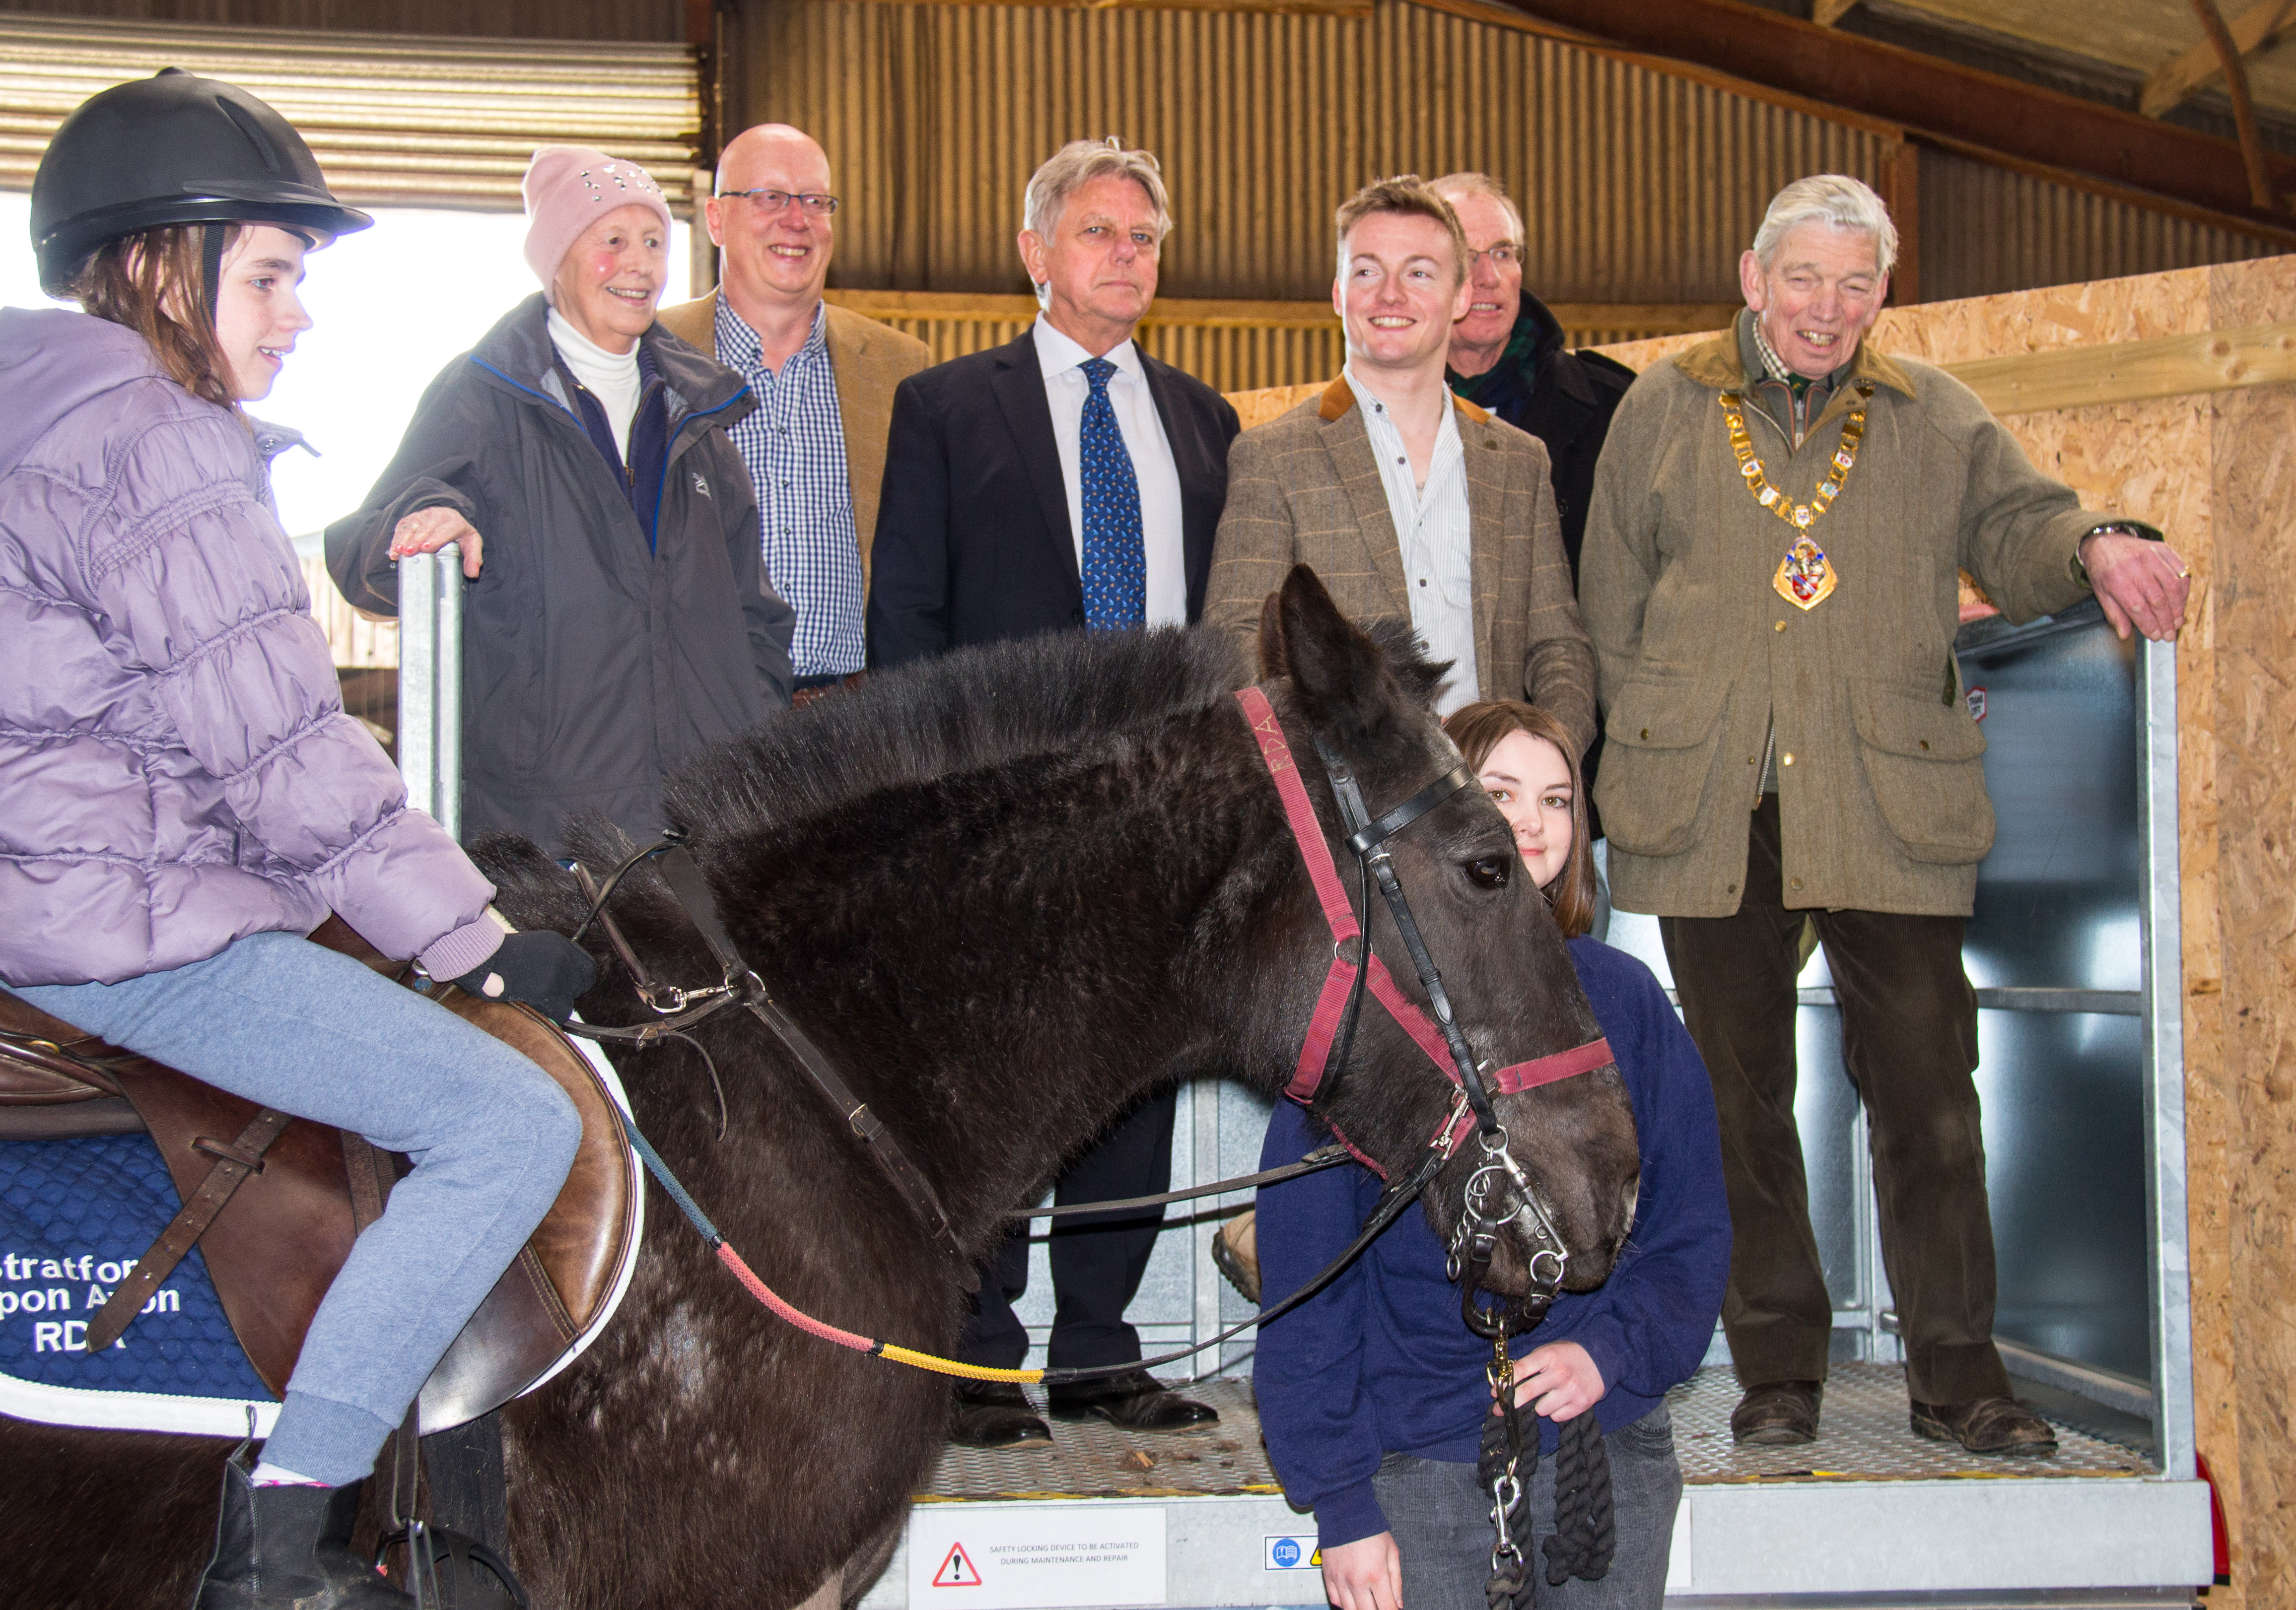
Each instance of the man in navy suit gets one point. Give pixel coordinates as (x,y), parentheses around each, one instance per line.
(1065,479)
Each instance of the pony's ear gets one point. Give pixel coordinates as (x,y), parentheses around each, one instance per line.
(1336,671)
(1271,638)
(1420,677)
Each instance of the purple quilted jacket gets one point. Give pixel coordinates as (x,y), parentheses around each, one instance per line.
(175,768)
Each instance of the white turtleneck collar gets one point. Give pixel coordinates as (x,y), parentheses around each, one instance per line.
(610,377)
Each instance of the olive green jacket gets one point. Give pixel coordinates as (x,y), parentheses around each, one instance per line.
(1880,776)
(1304,489)
(869,359)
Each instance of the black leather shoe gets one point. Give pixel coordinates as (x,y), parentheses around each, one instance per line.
(1777,1414)
(994,1414)
(1987,1425)
(289,1549)
(1133,1401)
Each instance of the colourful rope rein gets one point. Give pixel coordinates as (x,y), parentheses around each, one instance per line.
(733,1261)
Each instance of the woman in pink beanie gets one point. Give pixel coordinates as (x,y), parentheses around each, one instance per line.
(617,615)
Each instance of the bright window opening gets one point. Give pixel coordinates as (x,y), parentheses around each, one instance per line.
(391,306)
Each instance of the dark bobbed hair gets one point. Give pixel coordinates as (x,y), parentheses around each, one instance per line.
(154,283)
(1482,727)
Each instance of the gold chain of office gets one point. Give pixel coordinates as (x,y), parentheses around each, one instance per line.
(1800,516)
(1806,577)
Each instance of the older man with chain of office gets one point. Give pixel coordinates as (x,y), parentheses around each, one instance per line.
(1769,577)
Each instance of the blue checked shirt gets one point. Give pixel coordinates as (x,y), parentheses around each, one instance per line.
(794,447)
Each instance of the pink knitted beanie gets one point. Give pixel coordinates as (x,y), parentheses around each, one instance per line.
(570,187)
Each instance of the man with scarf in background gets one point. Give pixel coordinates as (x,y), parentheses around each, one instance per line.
(1506,356)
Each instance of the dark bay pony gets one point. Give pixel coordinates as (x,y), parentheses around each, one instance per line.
(1007,894)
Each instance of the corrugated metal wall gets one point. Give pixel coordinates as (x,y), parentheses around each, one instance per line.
(394,119)
(1637,187)
(660,20)
(1986,230)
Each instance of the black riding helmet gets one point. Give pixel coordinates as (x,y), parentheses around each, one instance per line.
(173,148)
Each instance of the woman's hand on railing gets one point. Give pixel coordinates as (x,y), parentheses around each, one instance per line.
(428,530)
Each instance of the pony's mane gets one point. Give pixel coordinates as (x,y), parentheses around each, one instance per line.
(974,707)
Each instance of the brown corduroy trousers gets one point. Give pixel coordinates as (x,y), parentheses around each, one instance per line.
(1909,1041)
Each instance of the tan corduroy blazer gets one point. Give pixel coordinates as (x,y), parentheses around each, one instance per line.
(1304,488)
(1881,770)
(869,359)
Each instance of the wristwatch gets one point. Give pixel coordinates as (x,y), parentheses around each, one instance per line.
(2136,528)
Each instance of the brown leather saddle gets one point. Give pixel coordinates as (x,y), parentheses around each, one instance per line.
(297,1194)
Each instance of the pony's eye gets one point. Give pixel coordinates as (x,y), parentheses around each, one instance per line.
(1492,871)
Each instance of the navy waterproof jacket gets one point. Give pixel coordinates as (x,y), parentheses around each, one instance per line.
(600,650)
(1381,1362)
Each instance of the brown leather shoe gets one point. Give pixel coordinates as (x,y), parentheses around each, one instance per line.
(1235,1253)
(1133,1402)
(1987,1425)
(994,1414)
(1777,1414)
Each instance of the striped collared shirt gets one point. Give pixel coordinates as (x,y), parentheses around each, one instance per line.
(1433,528)
(794,447)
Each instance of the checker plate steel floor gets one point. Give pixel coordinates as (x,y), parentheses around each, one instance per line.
(1863,1436)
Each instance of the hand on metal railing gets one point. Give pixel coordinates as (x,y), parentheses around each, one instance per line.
(428,530)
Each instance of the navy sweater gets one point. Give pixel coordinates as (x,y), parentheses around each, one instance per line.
(1381,1362)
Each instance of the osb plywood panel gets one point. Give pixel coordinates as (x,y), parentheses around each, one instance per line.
(2254,1086)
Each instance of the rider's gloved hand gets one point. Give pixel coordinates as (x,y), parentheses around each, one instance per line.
(546,971)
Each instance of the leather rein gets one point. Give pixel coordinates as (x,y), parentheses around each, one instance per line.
(1497,1193)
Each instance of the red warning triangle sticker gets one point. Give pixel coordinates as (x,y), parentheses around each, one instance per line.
(956,1570)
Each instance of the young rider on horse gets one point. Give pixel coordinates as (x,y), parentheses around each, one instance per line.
(184,798)
(1372,1395)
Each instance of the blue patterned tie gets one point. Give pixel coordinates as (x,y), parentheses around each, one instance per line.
(1115,560)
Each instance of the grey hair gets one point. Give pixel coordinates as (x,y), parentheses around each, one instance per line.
(1077,164)
(1836,200)
(1452,186)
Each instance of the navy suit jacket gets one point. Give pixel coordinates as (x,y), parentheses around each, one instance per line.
(974,544)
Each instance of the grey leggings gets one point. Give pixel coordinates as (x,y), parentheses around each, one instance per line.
(282,1021)
(1443,1536)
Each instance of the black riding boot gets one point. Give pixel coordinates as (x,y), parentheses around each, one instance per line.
(289,1549)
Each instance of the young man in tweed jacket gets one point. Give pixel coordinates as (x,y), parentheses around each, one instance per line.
(1409,502)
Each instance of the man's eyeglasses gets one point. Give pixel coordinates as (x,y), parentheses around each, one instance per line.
(775,201)
(1506,254)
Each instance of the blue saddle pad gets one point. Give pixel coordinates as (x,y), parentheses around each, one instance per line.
(74,1217)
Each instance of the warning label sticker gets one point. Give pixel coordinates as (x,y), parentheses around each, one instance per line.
(1036,1556)
(956,1570)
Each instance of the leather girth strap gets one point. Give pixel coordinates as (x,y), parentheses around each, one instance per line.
(234,1162)
(692,892)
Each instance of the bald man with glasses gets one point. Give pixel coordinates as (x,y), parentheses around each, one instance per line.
(823,379)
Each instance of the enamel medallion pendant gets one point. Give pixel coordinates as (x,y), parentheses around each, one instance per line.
(1805,577)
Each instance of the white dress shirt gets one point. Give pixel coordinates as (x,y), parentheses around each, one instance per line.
(1066,391)
(1432,529)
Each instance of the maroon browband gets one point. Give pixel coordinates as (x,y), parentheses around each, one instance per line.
(1331,1005)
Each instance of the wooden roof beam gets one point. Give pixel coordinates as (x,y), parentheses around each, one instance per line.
(2179,80)
(1926,95)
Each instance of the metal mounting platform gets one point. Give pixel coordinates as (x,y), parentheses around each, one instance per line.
(1868,1515)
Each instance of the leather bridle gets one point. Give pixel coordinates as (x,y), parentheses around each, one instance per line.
(1498,1194)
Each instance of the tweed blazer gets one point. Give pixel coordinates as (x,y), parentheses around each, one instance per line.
(1304,488)
(1880,776)
(869,359)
